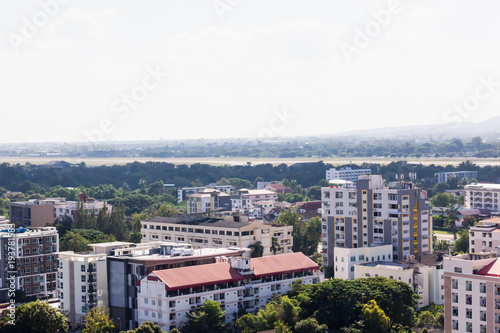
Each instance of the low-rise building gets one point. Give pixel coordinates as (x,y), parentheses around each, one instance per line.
(107,275)
(183,193)
(69,208)
(442,177)
(202,231)
(258,195)
(34,264)
(482,195)
(485,237)
(425,278)
(167,296)
(278,188)
(472,293)
(208,200)
(34,213)
(346,173)
(347,258)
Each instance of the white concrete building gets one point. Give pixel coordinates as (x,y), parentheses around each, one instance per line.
(259,195)
(426,280)
(442,177)
(482,195)
(346,259)
(167,296)
(485,237)
(208,200)
(69,208)
(472,293)
(346,174)
(183,193)
(79,288)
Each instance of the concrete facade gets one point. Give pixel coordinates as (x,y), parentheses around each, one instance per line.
(372,214)
(34,265)
(230,231)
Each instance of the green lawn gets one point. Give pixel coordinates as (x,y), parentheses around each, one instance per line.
(443,232)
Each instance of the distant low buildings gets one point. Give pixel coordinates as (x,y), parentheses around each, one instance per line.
(34,213)
(167,296)
(208,200)
(442,177)
(258,195)
(69,208)
(183,193)
(346,173)
(278,188)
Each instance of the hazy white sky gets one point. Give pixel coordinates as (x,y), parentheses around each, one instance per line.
(241,68)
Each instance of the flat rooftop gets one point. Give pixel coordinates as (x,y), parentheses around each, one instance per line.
(482,186)
(390,265)
(199,221)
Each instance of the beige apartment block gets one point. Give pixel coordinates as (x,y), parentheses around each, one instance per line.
(230,231)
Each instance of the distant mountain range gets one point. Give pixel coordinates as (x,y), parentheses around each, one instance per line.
(489,128)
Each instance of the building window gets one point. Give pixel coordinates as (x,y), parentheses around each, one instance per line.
(468,285)
(468,313)
(82,268)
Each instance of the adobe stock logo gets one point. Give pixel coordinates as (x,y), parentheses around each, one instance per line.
(223,6)
(372,29)
(127,102)
(30,28)
(462,111)
(277,124)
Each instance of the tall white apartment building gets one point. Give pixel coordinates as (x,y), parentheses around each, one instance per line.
(78,285)
(481,195)
(346,174)
(372,214)
(229,231)
(472,293)
(34,264)
(485,237)
(167,296)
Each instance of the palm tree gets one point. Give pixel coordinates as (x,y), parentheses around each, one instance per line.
(451,218)
(257,249)
(275,245)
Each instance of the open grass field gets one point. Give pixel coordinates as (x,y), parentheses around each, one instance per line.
(253,160)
